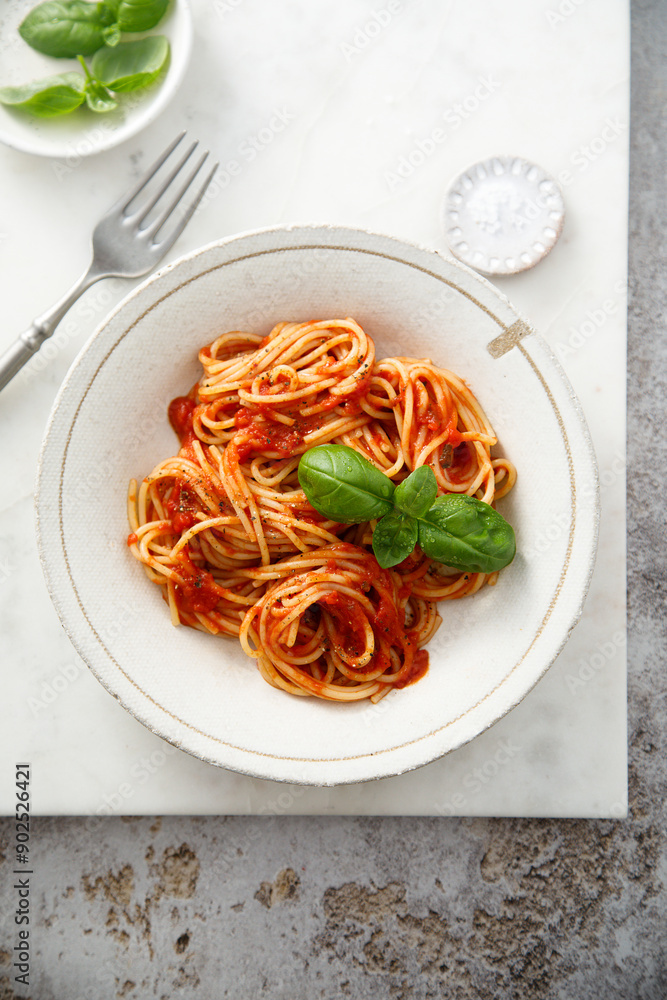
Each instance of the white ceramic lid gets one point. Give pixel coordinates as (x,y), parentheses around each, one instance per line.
(503,215)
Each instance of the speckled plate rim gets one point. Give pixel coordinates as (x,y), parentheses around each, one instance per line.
(568,601)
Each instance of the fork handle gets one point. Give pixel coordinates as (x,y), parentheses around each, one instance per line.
(30,342)
(20,353)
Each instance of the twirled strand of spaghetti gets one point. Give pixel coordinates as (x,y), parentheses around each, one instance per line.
(226,531)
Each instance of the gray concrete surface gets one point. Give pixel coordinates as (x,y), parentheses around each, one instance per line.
(403,908)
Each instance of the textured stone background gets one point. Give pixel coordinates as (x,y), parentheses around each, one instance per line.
(404,908)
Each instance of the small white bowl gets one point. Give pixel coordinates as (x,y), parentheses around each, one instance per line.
(83,132)
(503,215)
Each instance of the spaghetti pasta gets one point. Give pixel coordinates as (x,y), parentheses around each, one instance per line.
(226,531)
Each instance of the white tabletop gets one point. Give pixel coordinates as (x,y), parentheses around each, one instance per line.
(360,114)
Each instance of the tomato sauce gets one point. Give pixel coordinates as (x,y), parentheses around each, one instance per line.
(350,622)
(453,435)
(261,435)
(180,412)
(431,418)
(460,463)
(198,593)
(258,430)
(351,407)
(418,668)
(181,508)
(386,623)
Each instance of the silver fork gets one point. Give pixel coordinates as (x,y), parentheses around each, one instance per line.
(125,245)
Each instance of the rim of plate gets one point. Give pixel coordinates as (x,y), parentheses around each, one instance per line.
(381,763)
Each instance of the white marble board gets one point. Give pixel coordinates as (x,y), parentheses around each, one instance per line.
(355,113)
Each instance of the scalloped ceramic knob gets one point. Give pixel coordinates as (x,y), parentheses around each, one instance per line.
(503,215)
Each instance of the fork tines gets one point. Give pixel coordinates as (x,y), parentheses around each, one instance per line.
(140,214)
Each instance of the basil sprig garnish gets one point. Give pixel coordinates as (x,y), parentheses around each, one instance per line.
(68,28)
(65,28)
(416,494)
(137,15)
(343,485)
(131,65)
(98,97)
(76,28)
(466,533)
(394,538)
(458,530)
(55,95)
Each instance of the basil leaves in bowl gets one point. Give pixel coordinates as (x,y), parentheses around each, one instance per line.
(79,77)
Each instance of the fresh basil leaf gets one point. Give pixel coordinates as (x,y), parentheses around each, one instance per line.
(467,534)
(107,12)
(394,538)
(98,97)
(343,485)
(131,65)
(138,15)
(111,35)
(416,493)
(64,28)
(54,95)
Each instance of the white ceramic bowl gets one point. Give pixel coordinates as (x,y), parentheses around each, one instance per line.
(109,424)
(83,132)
